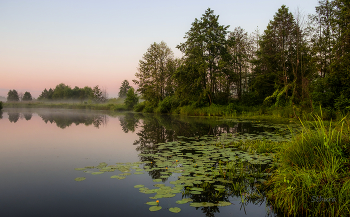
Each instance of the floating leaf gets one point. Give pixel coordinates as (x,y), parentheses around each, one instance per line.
(80,169)
(223,203)
(157,180)
(79,179)
(137,186)
(152,203)
(155,208)
(184,200)
(97,173)
(175,209)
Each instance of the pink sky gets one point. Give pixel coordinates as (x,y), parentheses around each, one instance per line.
(89,43)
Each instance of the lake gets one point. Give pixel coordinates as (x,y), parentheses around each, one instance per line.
(42,150)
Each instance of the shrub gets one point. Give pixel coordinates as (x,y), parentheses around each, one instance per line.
(139,106)
(131,99)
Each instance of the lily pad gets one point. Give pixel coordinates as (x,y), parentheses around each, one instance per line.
(152,203)
(155,208)
(157,180)
(137,186)
(80,169)
(223,203)
(175,209)
(79,179)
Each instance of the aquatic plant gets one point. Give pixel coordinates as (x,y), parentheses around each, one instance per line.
(313,165)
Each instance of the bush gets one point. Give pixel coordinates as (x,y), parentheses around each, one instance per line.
(342,104)
(149,107)
(169,103)
(131,99)
(140,106)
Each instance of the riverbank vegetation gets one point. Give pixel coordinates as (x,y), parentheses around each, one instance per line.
(111,104)
(296,65)
(313,176)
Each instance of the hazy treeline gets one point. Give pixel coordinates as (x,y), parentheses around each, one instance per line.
(65,92)
(298,60)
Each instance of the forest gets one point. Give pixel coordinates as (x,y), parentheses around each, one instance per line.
(299,62)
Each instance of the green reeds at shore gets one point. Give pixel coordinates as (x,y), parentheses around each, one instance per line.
(313,176)
(68,105)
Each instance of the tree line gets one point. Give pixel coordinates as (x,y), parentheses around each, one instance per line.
(297,61)
(65,92)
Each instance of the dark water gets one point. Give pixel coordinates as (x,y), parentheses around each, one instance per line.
(39,150)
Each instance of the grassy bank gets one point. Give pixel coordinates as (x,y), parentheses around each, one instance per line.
(235,110)
(112,105)
(312,176)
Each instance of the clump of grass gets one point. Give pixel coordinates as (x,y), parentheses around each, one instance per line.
(313,176)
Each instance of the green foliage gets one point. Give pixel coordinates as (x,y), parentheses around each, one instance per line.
(168,103)
(131,99)
(313,165)
(12,96)
(98,95)
(206,60)
(149,107)
(64,92)
(123,90)
(27,96)
(155,73)
(342,103)
(140,106)
(1,105)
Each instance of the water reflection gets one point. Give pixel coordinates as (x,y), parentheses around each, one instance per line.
(129,122)
(62,119)
(26,115)
(13,117)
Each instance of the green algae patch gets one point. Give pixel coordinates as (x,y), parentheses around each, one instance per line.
(79,179)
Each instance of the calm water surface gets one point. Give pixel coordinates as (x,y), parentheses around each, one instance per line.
(40,148)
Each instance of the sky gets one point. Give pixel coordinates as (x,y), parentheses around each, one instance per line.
(99,42)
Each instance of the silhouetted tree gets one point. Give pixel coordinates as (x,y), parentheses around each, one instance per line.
(12,95)
(123,90)
(27,96)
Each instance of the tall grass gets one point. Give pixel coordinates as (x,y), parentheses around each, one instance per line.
(313,176)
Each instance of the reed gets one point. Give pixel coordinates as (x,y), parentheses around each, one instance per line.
(313,174)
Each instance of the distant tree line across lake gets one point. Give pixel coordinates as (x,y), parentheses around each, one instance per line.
(62,92)
(65,92)
(297,61)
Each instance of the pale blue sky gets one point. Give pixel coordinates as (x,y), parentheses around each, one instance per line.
(79,43)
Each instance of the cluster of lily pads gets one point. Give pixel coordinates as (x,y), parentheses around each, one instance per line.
(202,165)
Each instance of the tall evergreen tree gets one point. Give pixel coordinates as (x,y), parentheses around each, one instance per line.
(274,74)
(205,58)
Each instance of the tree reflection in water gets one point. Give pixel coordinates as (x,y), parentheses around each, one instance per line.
(64,120)
(13,116)
(155,129)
